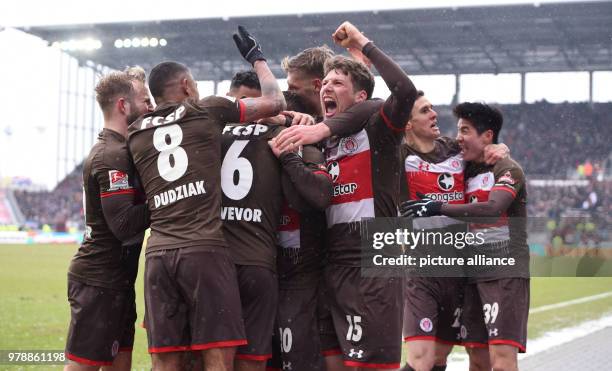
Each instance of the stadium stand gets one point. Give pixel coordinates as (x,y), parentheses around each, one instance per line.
(61,208)
(551,140)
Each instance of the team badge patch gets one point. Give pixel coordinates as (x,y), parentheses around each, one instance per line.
(117,180)
(426,324)
(115,348)
(349,145)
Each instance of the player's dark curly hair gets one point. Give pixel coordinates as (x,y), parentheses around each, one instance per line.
(162,74)
(245,78)
(358,72)
(482,116)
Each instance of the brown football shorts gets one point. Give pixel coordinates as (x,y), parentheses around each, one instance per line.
(107,313)
(259,297)
(432,309)
(192,300)
(296,344)
(495,312)
(367,316)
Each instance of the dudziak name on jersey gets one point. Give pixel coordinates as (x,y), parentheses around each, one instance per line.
(178,193)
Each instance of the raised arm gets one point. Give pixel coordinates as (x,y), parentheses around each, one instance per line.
(397,108)
(272,100)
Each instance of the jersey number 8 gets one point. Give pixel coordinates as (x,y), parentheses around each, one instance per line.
(172,161)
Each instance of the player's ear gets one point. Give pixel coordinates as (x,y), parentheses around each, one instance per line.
(361,96)
(122,104)
(488,136)
(185,86)
(317,84)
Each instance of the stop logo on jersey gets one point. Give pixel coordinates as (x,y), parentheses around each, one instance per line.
(349,164)
(442,181)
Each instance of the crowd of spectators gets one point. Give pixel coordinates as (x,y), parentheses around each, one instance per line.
(60,209)
(550,141)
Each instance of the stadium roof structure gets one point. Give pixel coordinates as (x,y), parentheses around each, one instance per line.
(490,39)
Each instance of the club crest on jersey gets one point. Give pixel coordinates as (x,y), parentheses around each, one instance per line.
(426,324)
(446,181)
(506,178)
(334,170)
(115,348)
(349,145)
(117,180)
(285,220)
(485,180)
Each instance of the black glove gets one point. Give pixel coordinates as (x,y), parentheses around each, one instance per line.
(420,208)
(248,46)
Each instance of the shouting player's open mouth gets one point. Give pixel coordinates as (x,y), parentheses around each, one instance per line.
(435,128)
(330,106)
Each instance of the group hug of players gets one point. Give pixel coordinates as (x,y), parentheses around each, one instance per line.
(254,203)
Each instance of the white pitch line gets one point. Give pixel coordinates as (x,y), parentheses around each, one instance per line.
(563,304)
(459,361)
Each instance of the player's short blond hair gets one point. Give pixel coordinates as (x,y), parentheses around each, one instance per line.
(116,85)
(137,73)
(310,62)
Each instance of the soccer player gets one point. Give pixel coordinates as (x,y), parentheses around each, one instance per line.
(434,167)
(102,273)
(299,265)
(364,167)
(496,307)
(177,151)
(244,84)
(305,72)
(253,190)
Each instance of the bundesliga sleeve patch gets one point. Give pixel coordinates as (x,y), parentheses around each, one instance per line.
(117,180)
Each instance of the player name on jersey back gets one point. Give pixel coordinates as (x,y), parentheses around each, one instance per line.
(183,191)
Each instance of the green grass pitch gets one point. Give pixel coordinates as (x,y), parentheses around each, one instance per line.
(34,311)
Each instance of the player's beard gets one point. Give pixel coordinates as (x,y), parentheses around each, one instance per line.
(134,114)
